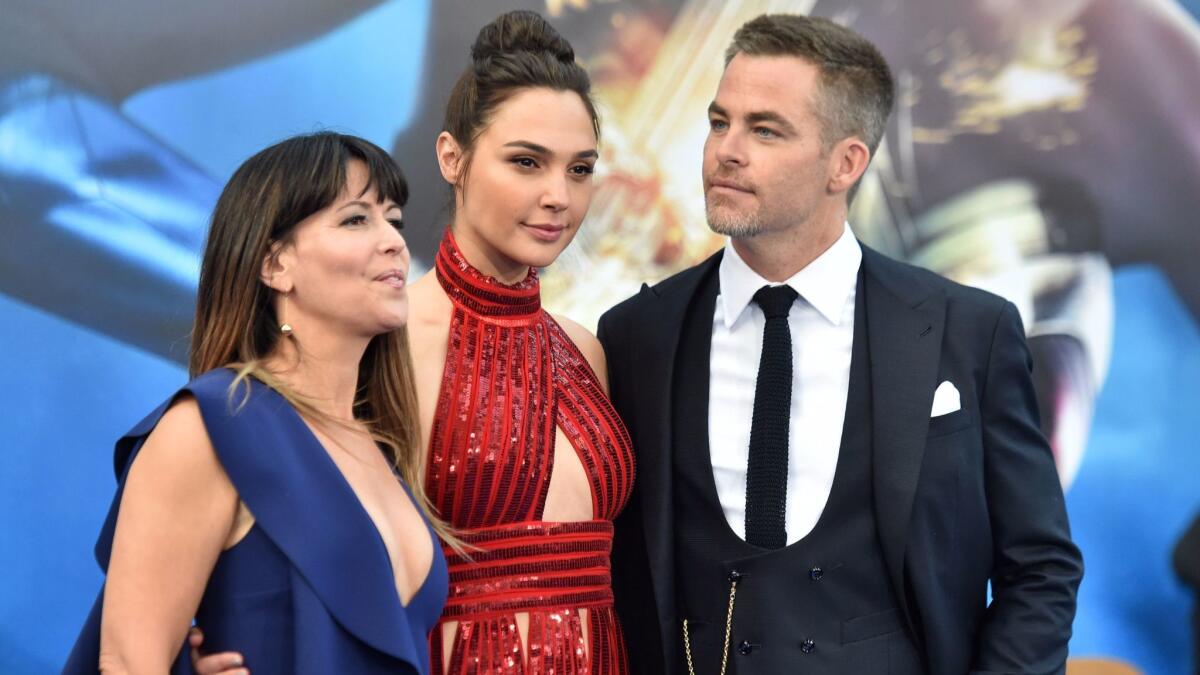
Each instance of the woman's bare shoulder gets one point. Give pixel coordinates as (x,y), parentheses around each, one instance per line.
(178,454)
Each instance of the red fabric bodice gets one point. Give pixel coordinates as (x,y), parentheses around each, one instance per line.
(512,378)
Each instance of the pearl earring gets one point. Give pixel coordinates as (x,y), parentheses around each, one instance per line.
(285,327)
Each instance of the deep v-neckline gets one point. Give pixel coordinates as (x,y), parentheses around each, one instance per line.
(312,437)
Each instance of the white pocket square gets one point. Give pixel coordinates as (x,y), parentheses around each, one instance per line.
(945,400)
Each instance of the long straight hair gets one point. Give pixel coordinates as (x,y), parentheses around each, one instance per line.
(236,325)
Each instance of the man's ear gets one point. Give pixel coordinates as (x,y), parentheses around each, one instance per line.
(450,157)
(276,268)
(848,161)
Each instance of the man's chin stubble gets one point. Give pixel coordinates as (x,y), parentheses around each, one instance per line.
(738,227)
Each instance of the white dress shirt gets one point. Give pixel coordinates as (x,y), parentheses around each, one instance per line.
(822,327)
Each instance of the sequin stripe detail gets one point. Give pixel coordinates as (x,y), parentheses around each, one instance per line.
(483,294)
(475,397)
(492,646)
(486,647)
(510,551)
(540,568)
(507,495)
(619,460)
(584,432)
(437,651)
(533,530)
(609,656)
(486,608)
(587,572)
(547,419)
(556,643)
(500,437)
(529,555)
(531,565)
(436,480)
(522,582)
(472,469)
(587,416)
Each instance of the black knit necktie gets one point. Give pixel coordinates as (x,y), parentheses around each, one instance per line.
(766,473)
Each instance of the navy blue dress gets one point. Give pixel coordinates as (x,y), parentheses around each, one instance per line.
(310,589)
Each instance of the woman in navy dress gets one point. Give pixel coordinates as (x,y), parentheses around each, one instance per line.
(277,497)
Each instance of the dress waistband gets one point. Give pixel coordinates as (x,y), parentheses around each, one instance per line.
(531,565)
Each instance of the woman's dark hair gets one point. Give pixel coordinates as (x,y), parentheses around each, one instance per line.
(516,51)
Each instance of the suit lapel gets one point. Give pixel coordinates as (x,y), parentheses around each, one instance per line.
(663,315)
(905,321)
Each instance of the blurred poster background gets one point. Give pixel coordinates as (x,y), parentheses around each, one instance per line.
(1049,152)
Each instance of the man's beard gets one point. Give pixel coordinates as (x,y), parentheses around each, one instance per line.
(732,223)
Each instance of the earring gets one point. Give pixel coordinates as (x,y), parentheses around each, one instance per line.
(285,327)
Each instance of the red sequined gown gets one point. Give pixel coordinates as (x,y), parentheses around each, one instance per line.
(512,377)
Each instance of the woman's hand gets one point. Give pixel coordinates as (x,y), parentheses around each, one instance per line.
(222,663)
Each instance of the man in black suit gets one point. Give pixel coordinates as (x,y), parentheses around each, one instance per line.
(837,452)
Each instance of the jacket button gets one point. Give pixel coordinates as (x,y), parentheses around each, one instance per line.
(745,647)
(808,646)
(734,576)
(816,573)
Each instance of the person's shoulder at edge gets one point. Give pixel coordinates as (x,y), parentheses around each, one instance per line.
(192,403)
(663,287)
(966,304)
(181,432)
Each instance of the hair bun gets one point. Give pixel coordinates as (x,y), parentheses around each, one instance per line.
(520,31)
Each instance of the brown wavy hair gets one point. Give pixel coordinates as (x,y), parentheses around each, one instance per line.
(236,326)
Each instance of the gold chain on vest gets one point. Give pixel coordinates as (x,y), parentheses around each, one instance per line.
(687,645)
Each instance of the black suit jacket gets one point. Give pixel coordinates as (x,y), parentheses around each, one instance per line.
(960,500)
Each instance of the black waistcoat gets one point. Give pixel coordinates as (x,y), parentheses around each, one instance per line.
(822,605)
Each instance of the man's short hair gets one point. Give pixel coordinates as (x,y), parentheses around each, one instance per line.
(856,87)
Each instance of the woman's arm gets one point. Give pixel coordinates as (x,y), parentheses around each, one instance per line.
(177,512)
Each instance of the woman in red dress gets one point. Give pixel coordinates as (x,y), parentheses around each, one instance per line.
(528,461)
